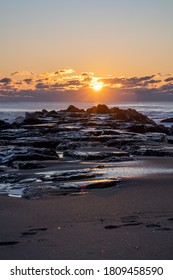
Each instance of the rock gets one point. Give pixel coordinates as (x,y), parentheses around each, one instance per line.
(154,152)
(18,120)
(144,128)
(36,114)
(51,114)
(72,175)
(31,120)
(82,136)
(130,115)
(102,109)
(37,142)
(99,109)
(68,146)
(138,117)
(118,159)
(11,154)
(44,111)
(27,165)
(9,178)
(73,109)
(170,139)
(123,142)
(167,120)
(4,125)
(155,136)
(92,110)
(93,155)
(101,184)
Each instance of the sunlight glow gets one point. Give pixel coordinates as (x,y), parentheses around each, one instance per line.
(96,84)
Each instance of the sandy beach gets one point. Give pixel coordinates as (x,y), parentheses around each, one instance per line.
(133,221)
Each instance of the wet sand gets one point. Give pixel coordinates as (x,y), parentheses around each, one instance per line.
(134,221)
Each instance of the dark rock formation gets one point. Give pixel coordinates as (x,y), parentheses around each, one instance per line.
(73,109)
(130,115)
(145,128)
(51,114)
(167,120)
(11,154)
(27,165)
(4,124)
(31,120)
(93,155)
(121,114)
(99,134)
(99,109)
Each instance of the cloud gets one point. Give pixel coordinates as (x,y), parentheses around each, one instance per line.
(129,82)
(14,73)
(5,81)
(23,73)
(167,88)
(42,86)
(28,81)
(64,72)
(67,85)
(74,83)
(71,84)
(150,82)
(169,79)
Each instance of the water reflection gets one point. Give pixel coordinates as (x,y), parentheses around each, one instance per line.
(135,169)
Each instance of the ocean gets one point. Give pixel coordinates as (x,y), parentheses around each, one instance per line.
(156,111)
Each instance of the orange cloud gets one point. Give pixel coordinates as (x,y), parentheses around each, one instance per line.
(63,81)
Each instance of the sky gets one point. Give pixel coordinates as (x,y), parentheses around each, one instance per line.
(84,49)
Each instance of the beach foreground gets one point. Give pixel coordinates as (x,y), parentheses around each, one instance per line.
(134,221)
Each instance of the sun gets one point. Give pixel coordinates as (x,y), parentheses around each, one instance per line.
(96,85)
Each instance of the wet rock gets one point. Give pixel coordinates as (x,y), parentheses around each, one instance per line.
(32,192)
(51,114)
(93,155)
(36,114)
(27,165)
(37,142)
(44,111)
(72,175)
(68,145)
(118,159)
(9,178)
(167,120)
(82,136)
(158,137)
(73,109)
(123,142)
(31,120)
(18,120)
(130,115)
(162,129)
(155,152)
(102,184)
(2,168)
(144,128)
(99,109)
(4,124)
(11,154)
(170,139)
